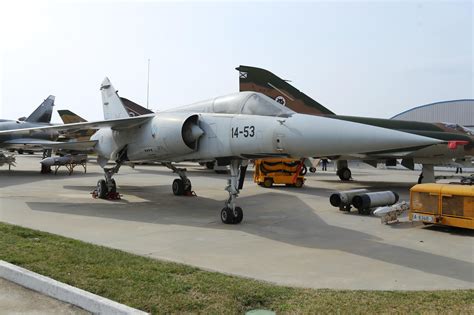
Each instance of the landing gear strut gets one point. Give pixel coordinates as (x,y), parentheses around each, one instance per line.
(182,185)
(231,214)
(427,174)
(107,188)
(45,169)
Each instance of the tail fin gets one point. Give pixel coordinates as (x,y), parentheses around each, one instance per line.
(69,117)
(265,82)
(133,108)
(43,113)
(112,105)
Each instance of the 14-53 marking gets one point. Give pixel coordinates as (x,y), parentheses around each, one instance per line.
(246,131)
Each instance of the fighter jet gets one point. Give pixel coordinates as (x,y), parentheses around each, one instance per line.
(40,117)
(458,152)
(68,117)
(230,129)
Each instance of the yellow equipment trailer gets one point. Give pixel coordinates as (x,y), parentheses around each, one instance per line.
(279,171)
(444,204)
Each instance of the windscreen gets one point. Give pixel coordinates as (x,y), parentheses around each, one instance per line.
(259,104)
(459,128)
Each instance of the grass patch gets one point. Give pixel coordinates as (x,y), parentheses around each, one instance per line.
(163,287)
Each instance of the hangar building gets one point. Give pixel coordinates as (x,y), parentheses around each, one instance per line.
(460,112)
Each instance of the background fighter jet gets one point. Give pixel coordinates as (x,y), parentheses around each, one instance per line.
(230,129)
(40,117)
(459,151)
(68,117)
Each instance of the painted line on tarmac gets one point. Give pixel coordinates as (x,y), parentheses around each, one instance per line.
(63,292)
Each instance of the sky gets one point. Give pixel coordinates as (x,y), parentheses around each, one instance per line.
(363,58)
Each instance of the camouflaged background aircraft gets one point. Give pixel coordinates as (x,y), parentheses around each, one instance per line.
(458,152)
(39,118)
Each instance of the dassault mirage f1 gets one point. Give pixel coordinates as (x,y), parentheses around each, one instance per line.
(230,129)
(460,140)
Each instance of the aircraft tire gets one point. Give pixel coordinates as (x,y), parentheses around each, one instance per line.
(227,217)
(101,189)
(240,215)
(113,186)
(344,174)
(178,187)
(312,169)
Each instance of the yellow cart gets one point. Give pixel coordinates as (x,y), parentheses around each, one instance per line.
(444,204)
(289,172)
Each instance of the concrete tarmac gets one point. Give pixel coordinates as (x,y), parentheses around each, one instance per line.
(288,236)
(15,299)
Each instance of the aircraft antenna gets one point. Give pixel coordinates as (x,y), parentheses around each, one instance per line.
(148,85)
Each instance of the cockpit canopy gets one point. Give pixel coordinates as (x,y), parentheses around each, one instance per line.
(248,103)
(459,128)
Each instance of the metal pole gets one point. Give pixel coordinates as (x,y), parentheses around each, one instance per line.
(148,85)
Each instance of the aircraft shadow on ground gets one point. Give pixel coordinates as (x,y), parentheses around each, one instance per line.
(292,222)
(18,177)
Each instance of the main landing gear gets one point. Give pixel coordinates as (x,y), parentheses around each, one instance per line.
(182,185)
(107,188)
(231,214)
(343,170)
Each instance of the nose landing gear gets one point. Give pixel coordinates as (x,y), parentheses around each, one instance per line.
(231,214)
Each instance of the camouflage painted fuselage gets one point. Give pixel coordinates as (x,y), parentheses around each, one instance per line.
(26,139)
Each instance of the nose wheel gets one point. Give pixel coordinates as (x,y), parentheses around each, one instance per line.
(229,216)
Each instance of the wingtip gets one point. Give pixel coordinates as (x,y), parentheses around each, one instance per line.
(105,83)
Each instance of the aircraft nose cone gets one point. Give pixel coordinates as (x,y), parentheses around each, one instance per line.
(320,136)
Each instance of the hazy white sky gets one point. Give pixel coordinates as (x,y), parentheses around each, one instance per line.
(374,58)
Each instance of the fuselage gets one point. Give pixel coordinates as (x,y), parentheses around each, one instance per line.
(14,124)
(244,136)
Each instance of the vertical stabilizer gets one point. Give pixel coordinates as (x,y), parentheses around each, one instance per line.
(69,117)
(43,113)
(112,105)
(133,108)
(265,82)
